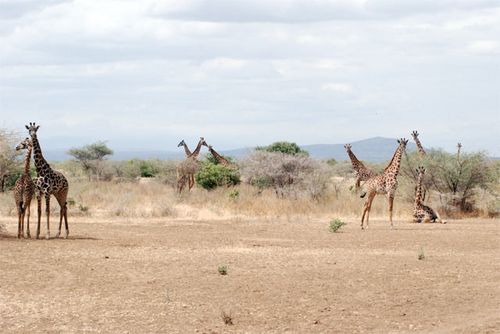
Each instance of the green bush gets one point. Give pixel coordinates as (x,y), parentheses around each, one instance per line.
(283,147)
(211,176)
(335,225)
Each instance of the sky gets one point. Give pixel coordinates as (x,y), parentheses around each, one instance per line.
(143,75)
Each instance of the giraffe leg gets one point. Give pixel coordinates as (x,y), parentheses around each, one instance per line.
(366,207)
(28,208)
(23,214)
(180,181)
(191,181)
(66,220)
(391,203)
(39,211)
(370,201)
(61,214)
(19,218)
(47,211)
(61,199)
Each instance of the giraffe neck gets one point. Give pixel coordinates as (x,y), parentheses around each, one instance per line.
(186,149)
(27,161)
(220,158)
(395,163)
(41,164)
(420,148)
(196,152)
(418,191)
(354,160)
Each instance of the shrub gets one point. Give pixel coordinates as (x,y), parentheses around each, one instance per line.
(283,147)
(211,176)
(421,254)
(234,194)
(335,225)
(222,270)
(286,174)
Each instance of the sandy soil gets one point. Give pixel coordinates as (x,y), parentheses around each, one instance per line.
(160,276)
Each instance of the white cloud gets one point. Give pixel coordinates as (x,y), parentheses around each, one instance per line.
(337,87)
(484,47)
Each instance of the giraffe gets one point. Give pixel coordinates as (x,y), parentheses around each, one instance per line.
(420,148)
(223,161)
(188,167)
(186,148)
(362,173)
(188,153)
(421,212)
(459,149)
(48,182)
(24,190)
(385,183)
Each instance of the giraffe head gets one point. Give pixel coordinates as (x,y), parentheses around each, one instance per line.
(347,147)
(415,134)
(24,145)
(459,145)
(420,170)
(32,128)
(203,142)
(402,142)
(182,143)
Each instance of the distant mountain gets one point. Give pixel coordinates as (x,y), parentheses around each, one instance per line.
(373,149)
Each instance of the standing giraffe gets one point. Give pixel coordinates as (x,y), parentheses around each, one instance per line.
(362,173)
(421,212)
(223,161)
(420,148)
(48,182)
(188,167)
(188,153)
(186,148)
(459,149)
(24,190)
(385,183)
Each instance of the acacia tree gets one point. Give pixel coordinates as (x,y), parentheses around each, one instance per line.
(8,155)
(91,157)
(456,177)
(283,147)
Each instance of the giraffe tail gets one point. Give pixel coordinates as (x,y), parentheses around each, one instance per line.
(363,195)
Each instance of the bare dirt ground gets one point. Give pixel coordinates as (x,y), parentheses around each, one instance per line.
(160,276)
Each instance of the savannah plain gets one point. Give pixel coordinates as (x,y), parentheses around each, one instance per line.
(141,259)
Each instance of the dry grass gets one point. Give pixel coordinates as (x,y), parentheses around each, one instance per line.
(153,198)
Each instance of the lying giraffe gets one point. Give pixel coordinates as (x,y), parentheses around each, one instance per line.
(421,212)
(48,182)
(362,173)
(384,184)
(24,190)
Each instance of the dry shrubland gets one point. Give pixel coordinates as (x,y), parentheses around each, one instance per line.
(274,185)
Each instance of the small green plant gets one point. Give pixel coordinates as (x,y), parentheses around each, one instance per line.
(226,317)
(71,202)
(421,254)
(83,208)
(234,194)
(222,270)
(335,225)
